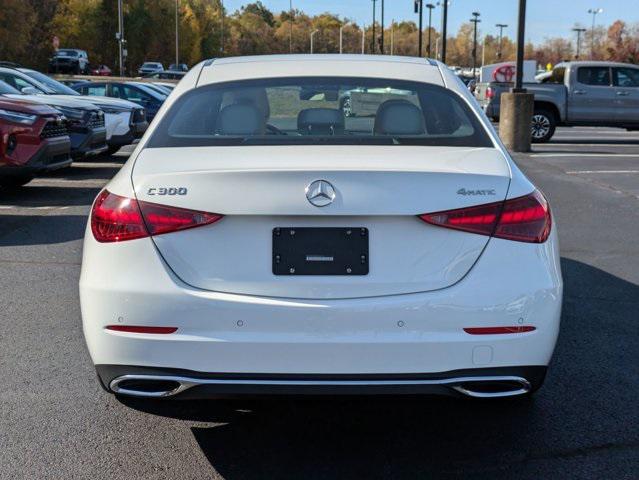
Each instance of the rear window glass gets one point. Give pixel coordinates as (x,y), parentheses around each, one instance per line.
(599,76)
(320,110)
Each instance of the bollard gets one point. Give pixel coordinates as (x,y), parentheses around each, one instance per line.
(515,115)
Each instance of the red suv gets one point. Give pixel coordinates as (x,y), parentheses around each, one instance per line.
(33,139)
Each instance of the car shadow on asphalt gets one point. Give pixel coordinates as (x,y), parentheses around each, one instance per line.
(25,230)
(31,196)
(580,409)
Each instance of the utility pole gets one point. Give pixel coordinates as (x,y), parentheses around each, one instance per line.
(593,12)
(312,35)
(120,37)
(373,38)
(475,21)
(363,38)
(419,8)
(430,7)
(381,45)
(579,32)
(290,28)
(517,106)
(444,28)
(392,51)
(341,36)
(221,27)
(501,27)
(177,40)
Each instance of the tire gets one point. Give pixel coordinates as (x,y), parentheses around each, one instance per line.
(112,149)
(347,107)
(16,181)
(544,123)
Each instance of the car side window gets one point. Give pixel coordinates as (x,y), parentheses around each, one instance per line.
(626,77)
(131,94)
(596,76)
(98,90)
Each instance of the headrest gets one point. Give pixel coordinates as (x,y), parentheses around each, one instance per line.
(240,119)
(399,117)
(253,96)
(320,121)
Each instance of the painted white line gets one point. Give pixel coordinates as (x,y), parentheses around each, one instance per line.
(612,155)
(573,172)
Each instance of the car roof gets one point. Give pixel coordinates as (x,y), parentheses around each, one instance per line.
(271,66)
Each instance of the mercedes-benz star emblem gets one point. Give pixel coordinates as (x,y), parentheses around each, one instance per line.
(320,193)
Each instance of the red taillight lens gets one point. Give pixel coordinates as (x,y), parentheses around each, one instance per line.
(489,93)
(499,330)
(141,329)
(523,219)
(115,218)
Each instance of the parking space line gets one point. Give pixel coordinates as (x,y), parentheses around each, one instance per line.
(575,172)
(568,154)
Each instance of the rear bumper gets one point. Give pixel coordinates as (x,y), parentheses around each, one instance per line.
(511,284)
(185,384)
(53,155)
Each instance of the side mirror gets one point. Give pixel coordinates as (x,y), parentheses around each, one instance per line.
(30,91)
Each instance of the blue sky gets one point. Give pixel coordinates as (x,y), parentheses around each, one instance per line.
(545,18)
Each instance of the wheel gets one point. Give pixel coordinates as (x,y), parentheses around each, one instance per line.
(543,125)
(347,107)
(15,181)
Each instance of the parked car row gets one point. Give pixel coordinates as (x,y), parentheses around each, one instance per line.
(45,125)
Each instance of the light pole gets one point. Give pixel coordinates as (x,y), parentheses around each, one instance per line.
(381,43)
(177,38)
(501,27)
(290,27)
(373,37)
(437,47)
(312,35)
(579,32)
(430,7)
(444,5)
(120,37)
(363,38)
(418,4)
(483,51)
(475,21)
(341,36)
(221,27)
(392,51)
(593,12)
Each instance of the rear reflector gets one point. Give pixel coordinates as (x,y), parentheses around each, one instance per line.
(115,218)
(499,330)
(140,329)
(523,219)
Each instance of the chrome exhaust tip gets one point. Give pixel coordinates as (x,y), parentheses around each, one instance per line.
(493,387)
(161,386)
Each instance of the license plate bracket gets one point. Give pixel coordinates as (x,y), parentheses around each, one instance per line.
(320,251)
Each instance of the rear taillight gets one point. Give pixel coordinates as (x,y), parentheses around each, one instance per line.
(115,218)
(489,93)
(523,219)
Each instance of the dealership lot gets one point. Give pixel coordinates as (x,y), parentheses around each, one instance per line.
(55,422)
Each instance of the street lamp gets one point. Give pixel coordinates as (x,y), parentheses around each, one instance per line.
(312,35)
(290,26)
(593,12)
(475,21)
(501,27)
(363,38)
(418,5)
(373,37)
(430,7)
(120,37)
(341,36)
(444,5)
(579,32)
(177,41)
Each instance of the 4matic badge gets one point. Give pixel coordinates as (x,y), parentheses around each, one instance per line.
(463,191)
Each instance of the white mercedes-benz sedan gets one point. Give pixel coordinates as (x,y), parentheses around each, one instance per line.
(323,224)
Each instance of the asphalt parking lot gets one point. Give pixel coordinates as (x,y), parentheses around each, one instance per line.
(56,422)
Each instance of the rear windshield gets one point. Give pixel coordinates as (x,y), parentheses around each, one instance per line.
(320,110)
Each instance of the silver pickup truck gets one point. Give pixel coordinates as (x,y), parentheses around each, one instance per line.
(575,93)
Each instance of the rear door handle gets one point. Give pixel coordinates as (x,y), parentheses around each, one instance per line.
(579,92)
(623,94)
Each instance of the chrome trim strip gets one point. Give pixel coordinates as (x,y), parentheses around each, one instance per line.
(186,383)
